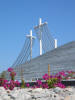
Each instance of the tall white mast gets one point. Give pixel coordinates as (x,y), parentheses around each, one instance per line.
(55,40)
(40,22)
(31,44)
(40,33)
(31,39)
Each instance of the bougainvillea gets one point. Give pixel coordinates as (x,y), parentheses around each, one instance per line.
(11,84)
(10,69)
(12,73)
(28,85)
(49,81)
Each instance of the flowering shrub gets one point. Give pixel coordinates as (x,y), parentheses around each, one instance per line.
(70,75)
(51,81)
(61,75)
(59,85)
(17,83)
(46,77)
(55,80)
(2,81)
(12,73)
(64,75)
(45,85)
(39,83)
(11,84)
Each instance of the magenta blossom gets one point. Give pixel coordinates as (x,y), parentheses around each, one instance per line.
(62,73)
(45,85)
(5,81)
(17,83)
(39,82)
(10,69)
(5,86)
(28,85)
(59,85)
(69,72)
(46,77)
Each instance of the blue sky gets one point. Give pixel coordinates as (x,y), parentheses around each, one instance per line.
(17,17)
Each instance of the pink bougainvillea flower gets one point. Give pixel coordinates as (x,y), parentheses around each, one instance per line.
(5,81)
(62,73)
(28,85)
(39,82)
(45,85)
(8,85)
(59,85)
(17,83)
(10,69)
(45,77)
(5,86)
(69,72)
